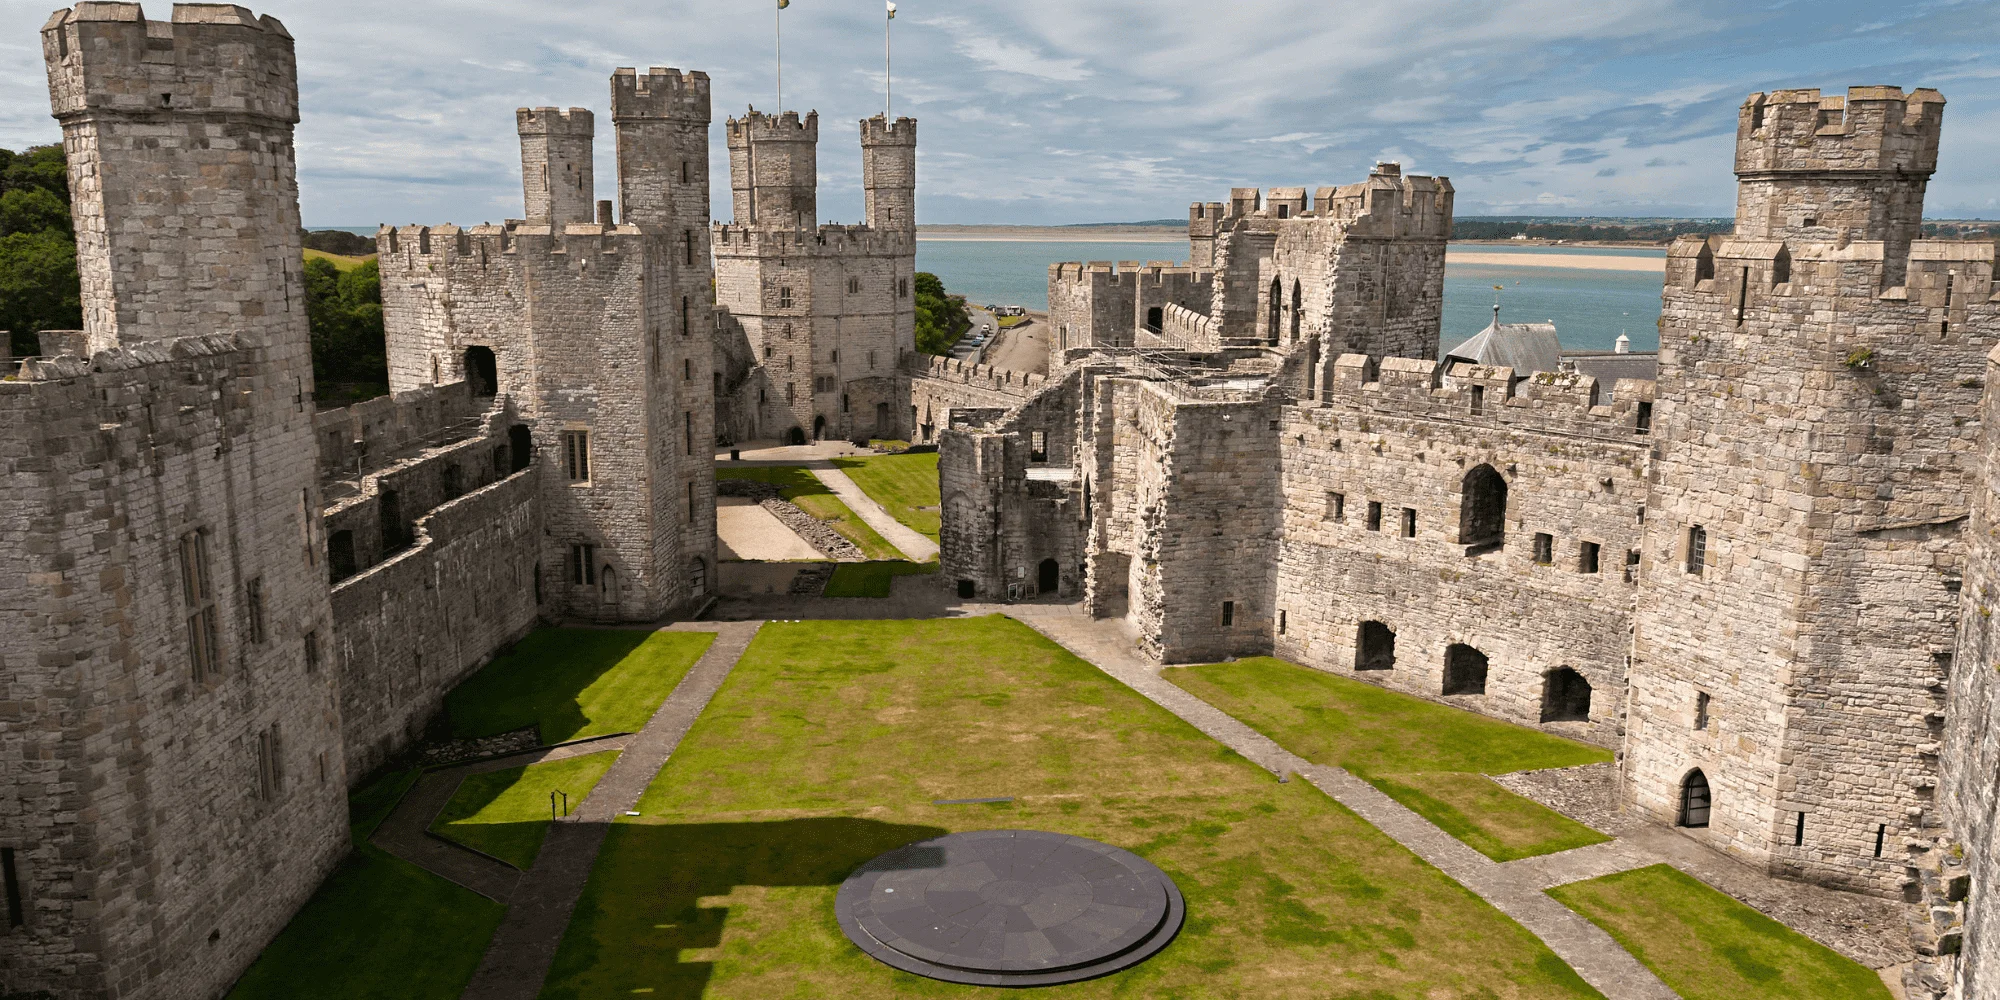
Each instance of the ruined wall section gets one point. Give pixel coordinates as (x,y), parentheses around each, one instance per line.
(108,465)
(410,629)
(1826,598)
(445,290)
(937,386)
(1009,506)
(1393,446)
(1101,304)
(358,439)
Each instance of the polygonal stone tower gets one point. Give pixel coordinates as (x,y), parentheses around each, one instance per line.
(774,169)
(556,164)
(661,118)
(1817,404)
(889,173)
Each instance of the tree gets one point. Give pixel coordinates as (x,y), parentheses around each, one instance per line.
(941,317)
(344,310)
(39,289)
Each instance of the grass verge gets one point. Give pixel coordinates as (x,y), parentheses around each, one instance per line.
(1708,946)
(874,578)
(905,485)
(573,683)
(505,814)
(829,744)
(1430,757)
(806,492)
(340,261)
(378,927)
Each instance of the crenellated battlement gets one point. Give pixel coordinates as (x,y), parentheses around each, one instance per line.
(577,122)
(1490,396)
(1933,273)
(210,59)
(660,93)
(1126,272)
(731,240)
(987,376)
(879,131)
(1872,129)
(1389,202)
(786,126)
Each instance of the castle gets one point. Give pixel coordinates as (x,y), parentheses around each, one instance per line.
(1765,577)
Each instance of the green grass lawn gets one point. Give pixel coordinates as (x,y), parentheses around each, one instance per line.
(573,683)
(1430,757)
(872,579)
(379,927)
(1708,946)
(506,813)
(828,745)
(905,485)
(806,492)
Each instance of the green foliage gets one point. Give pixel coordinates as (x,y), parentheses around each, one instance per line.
(1708,946)
(872,579)
(572,683)
(39,289)
(941,318)
(344,309)
(505,814)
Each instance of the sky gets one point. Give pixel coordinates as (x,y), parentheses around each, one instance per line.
(1066,111)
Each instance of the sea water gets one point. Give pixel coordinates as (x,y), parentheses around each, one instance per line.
(1589,307)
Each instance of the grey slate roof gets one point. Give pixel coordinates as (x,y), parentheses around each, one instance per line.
(1525,347)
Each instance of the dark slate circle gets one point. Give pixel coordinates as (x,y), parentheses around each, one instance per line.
(1010,908)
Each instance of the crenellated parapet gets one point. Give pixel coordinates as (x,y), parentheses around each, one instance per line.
(660,93)
(210,59)
(1872,129)
(984,376)
(732,241)
(1564,403)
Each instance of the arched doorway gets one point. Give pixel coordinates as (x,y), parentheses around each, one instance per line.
(1565,696)
(797,435)
(607,583)
(1374,647)
(1049,577)
(1298,309)
(697,577)
(1482,509)
(882,428)
(482,370)
(819,427)
(1464,670)
(1276,317)
(1695,800)
(520,447)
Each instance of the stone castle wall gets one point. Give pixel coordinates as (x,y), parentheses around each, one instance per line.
(937,386)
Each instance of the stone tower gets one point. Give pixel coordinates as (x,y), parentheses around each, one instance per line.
(774,169)
(661,119)
(889,173)
(171,757)
(1819,383)
(556,164)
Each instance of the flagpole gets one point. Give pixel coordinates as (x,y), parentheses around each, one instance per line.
(778,35)
(888,86)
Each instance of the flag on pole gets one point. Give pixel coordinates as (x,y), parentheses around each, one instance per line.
(892,11)
(782,4)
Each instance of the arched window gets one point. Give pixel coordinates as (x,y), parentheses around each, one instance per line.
(1276,317)
(1374,647)
(1298,310)
(1464,670)
(1565,696)
(1482,509)
(1694,800)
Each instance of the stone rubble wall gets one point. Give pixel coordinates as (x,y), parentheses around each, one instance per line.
(938,386)
(358,439)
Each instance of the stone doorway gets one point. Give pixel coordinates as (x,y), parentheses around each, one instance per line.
(1048,577)
(1464,670)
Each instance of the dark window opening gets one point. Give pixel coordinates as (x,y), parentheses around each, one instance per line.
(1228,612)
(1781,267)
(1701,705)
(1642,423)
(1881,833)
(340,555)
(1545,548)
(17,913)
(1464,670)
(1704,264)
(965,590)
(1276,317)
(1281,621)
(1409,522)
(452,481)
(687,432)
(1038,446)
(1631,565)
(1482,508)
(311,645)
(576,455)
(395,533)
(482,369)
(1697,549)
(1586,557)
(687,369)
(1374,515)
(1695,801)
(520,447)
(253,606)
(1298,310)
(1155,319)
(583,565)
(1799,832)
(1336,506)
(1478,400)
(1048,576)
(1374,647)
(1565,696)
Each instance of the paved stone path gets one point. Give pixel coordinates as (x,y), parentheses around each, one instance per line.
(914,545)
(405,833)
(1595,956)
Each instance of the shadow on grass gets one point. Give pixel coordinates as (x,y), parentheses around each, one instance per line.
(572,683)
(643,905)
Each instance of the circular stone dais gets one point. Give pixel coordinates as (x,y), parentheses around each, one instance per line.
(1010,908)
